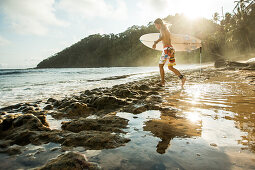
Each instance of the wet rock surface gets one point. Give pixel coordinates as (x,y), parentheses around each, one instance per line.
(93,140)
(20,129)
(111,124)
(69,161)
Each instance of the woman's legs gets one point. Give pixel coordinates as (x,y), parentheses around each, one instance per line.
(162,74)
(176,72)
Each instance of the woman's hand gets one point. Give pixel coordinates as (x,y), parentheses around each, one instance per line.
(154,45)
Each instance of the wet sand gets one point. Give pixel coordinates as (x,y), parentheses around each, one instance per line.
(214,127)
(208,124)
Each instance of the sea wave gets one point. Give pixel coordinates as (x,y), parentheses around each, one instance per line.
(12,72)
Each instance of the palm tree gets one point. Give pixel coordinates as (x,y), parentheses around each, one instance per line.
(240,7)
(216,17)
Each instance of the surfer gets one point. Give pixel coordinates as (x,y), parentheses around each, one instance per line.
(168,52)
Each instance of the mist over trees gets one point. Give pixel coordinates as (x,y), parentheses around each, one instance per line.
(222,36)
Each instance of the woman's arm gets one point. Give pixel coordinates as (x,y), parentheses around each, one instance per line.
(155,42)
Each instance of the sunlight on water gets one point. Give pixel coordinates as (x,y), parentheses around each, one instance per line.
(194,117)
(54,123)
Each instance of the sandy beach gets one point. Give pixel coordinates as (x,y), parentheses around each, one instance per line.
(138,125)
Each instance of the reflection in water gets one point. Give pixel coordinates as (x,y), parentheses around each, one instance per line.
(225,102)
(168,128)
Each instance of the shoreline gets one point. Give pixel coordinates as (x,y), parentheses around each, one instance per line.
(27,85)
(104,104)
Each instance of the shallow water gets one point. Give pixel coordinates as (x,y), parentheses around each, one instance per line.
(215,130)
(32,156)
(223,116)
(29,85)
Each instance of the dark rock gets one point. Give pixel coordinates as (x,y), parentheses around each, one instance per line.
(135,109)
(74,110)
(48,107)
(55,136)
(139,110)
(35,105)
(220,63)
(86,100)
(154,99)
(56,103)
(28,121)
(110,123)
(14,150)
(51,100)
(16,106)
(64,104)
(5,143)
(152,107)
(88,92)
(28,109)
(42,118)
(38,101)
(141,92)
(7,122)
(143,87)
(123,93)
(3,113)
(153,93)
(94,140)
(37,109)
(21,129)
(70,161)
(135,86)
(108,102)
(79,109)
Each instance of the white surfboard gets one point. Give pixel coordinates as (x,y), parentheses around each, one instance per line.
(180,42)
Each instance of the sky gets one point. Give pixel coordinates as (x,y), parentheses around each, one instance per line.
(33,30)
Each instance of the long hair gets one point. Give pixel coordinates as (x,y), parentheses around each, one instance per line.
(164,24)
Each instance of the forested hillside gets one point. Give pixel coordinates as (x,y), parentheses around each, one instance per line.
(227,36)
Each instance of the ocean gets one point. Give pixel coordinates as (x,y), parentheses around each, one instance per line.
(29,85)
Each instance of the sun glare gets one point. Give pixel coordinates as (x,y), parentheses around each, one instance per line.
(193,116)
(194,9)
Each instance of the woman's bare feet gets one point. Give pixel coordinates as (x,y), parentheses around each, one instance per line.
(161,84)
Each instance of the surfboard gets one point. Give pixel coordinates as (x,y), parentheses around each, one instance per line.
(180,42)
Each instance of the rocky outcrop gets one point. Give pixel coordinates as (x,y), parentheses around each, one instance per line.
(75,110)
(95,140)
(70,161)
(108,102)
(110,124)
(21,129)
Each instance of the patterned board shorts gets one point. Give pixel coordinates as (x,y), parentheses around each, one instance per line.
(168,54)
